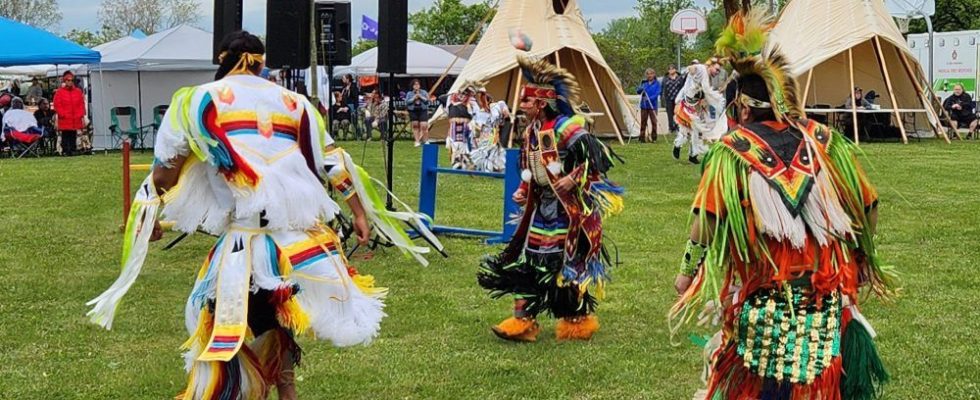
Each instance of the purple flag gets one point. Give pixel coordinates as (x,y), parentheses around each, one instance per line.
(369,28)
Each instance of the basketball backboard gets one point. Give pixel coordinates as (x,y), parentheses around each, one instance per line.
(911,9)
(688,22)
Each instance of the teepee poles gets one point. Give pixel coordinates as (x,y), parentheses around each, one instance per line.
(854,112)
(891,91)
(605,104)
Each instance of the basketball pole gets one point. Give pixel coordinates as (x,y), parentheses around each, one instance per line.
(680,42)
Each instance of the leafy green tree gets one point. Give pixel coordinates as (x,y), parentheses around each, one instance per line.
(91,39)
(631,45)
(149,16)
(40,13)
(362,46)
(951,15)
(449,21)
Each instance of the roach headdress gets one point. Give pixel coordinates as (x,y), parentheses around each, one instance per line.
(549,83)
(743,41)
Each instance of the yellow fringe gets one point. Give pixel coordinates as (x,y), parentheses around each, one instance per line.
(613,204)
(203,332)
(292,316)
(366,284)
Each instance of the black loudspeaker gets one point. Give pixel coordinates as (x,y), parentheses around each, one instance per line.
(287,42)
(333,26)
(392,35)
(227,19)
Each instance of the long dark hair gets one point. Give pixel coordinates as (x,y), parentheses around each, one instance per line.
(233,46)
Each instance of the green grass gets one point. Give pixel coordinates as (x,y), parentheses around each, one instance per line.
(59,247)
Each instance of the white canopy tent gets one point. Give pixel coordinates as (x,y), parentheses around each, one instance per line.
(144,73)
(559,33)
(862,47)
(421,60)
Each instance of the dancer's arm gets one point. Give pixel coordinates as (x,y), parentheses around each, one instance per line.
(361,226)
(165,177)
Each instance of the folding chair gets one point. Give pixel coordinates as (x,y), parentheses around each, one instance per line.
(124,126)
(401,126)
(22,144)
(908,122)
(158,113)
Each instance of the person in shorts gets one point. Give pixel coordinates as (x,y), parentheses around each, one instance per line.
(417,101)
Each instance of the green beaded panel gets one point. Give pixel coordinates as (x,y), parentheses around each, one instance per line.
(782,334)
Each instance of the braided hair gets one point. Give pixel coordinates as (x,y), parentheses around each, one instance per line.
(233,46)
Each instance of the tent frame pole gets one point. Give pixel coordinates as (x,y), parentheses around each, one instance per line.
(513,115)
(854,114)
(139,105)
(922,93)
(891,90)
(609,114)
(806,90)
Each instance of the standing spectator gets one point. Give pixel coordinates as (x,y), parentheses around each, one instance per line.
(671,85)
(417,102)
(351,96)
(959,105)
(649,91)
(15,88)
(69,105)
(719,76)
(35,93)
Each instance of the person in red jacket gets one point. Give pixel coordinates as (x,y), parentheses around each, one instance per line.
(69,106)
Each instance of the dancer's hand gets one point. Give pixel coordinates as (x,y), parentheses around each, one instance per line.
(565,185)
(682,283)
(362,229)
(520,197)
(157,232)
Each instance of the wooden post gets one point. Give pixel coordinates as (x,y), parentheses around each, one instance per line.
(922,93)
(557,58)
(125,181)
(891,90)
(854,113)
(806,90)
(609,114)
(513,114)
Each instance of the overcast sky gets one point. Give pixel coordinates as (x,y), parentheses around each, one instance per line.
(83,14)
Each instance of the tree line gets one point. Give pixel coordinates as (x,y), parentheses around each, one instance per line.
(630,44)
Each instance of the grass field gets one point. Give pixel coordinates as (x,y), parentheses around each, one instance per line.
(59,247)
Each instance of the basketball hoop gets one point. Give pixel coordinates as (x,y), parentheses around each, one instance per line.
(903,23)
(690,35)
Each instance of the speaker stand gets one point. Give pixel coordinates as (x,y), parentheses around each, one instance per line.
(390,141)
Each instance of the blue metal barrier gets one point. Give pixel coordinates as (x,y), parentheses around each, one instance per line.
(427,193)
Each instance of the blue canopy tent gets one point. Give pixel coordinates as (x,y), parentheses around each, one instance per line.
(27,45)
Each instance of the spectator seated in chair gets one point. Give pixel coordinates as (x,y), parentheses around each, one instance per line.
(375,113)
(340,117)
(959,105)
(19,126)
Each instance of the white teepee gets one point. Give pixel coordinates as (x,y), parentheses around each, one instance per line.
(558,32)
(834,45)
